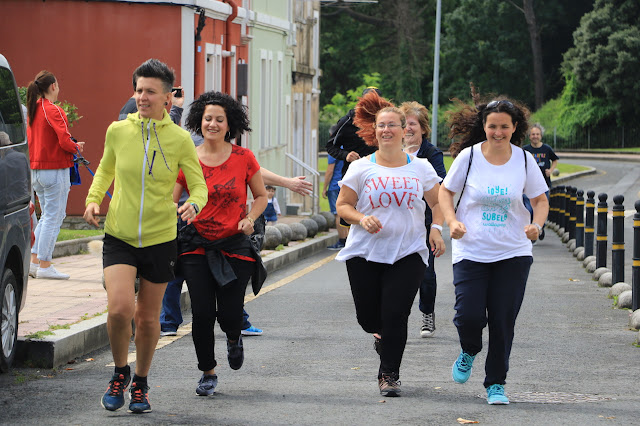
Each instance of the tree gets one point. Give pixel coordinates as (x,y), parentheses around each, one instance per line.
(391,38)
(606,57)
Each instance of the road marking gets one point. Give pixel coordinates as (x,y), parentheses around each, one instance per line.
(186,329)
(290,278)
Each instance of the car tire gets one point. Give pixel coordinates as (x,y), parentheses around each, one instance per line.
(8,319)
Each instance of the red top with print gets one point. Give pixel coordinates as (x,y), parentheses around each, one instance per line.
(227,184)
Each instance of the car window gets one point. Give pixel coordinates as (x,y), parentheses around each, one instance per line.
(11,118)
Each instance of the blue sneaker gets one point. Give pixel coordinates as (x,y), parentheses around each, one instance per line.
(235,354)
(496,396)
(251,331)
(461,370)
(337,246)
(207,385)
(139,399)
(113,399)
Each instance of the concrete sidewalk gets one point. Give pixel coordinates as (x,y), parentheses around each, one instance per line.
(63,320)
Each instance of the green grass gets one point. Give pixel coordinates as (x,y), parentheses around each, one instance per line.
(73,234)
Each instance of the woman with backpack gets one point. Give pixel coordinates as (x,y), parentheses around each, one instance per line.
(491,231)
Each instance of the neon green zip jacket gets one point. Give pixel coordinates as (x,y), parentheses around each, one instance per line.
(144,157)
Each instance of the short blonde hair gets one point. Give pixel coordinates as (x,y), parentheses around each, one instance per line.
(419,111)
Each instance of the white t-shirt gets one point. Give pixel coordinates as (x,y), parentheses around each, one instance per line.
(491,206)
(394,196)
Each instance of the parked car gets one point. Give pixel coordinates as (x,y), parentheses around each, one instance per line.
(15,213)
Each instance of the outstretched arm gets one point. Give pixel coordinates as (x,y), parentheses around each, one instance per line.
(296,184)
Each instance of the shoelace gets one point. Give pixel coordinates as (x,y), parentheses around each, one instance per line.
(427,321)
(390,381)
(496,390)
(137,395)
(466,362)
(116,385)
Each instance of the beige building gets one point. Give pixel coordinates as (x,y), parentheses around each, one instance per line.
(305,91)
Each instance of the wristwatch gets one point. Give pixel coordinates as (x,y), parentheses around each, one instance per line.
(195,207)
(538,227)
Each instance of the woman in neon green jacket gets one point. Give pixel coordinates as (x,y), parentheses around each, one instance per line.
(143,154)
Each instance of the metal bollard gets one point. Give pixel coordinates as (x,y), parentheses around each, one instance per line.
(572,212)
(561,203)
(617,241)
(635,269)
(580,218)
(589,227)
(601,237)
(553,198)
(567,207)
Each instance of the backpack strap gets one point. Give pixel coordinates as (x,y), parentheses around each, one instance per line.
(465,178)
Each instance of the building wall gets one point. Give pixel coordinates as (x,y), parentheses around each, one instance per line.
(92,48)
(270,62)
(305,91)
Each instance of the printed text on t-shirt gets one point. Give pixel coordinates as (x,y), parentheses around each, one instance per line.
(392,189)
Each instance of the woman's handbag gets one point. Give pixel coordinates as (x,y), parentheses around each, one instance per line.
(74,172)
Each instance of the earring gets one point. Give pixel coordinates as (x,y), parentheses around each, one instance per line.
(228,135)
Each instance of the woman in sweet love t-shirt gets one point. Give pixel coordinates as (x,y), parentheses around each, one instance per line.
(386,254)
(491,232)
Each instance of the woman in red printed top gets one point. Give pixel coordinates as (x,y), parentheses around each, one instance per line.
(51,150)
(216,255)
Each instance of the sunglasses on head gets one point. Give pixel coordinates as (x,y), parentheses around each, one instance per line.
(494,104)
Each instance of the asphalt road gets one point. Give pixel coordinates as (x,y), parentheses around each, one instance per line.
(573,362)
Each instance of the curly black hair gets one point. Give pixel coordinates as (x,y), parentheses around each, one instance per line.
(236,114)
(467,122)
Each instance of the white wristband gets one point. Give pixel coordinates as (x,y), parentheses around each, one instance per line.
(436,226)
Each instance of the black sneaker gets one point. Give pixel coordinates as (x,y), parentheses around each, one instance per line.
(207,385)
(235,354)
(428,328)
(389,384)
(139,399)
(541,237)
(113,399)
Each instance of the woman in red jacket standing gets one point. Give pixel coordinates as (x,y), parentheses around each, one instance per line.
(51,150)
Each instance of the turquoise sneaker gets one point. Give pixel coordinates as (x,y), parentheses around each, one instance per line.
(496,396)
(461,370)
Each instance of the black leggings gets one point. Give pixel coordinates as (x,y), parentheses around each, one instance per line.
(206,295)
(383,295)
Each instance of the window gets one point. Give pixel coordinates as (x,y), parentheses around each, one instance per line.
(11,115)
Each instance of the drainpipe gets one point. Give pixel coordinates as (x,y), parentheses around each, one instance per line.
(227,44)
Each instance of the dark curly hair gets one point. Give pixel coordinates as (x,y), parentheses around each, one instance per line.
(236,114)
(467,122)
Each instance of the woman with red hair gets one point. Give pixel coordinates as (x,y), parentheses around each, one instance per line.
(386,255)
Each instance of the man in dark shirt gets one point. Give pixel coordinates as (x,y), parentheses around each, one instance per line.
(545,157)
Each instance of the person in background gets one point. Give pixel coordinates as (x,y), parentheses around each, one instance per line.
(416,142)
(491,231)
(330,191)
(272,211)
(547,161)
(217,256)
(51,149)
(175,112)
(386,255)
(142,157)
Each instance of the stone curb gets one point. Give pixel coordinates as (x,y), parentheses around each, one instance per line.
(73,247)
(89,335)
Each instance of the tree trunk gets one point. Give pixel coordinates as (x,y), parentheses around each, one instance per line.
(536,50)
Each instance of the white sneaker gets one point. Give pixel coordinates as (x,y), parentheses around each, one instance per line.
(51,273)
(33,269)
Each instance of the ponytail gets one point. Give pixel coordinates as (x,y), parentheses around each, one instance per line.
(37,89)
